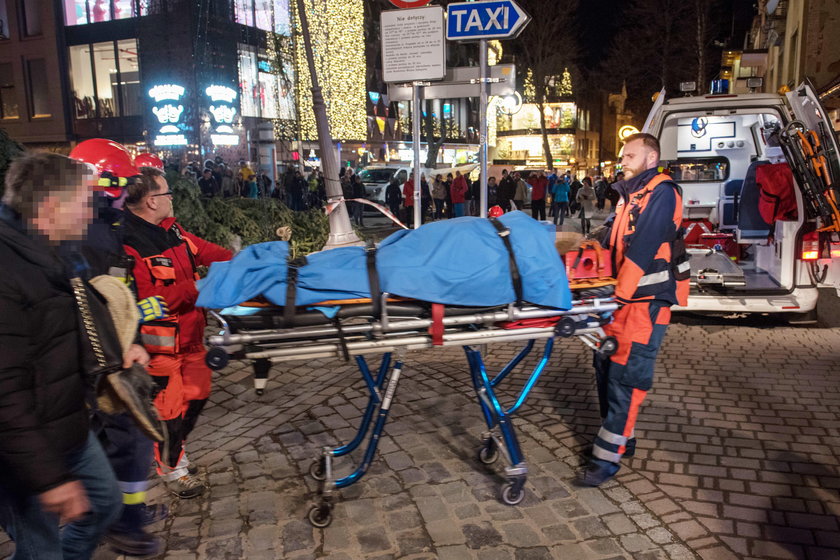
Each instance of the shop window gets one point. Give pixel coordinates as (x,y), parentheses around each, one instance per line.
(39,94)
(8,95)
(265,14)
(4,20)
(105,79)
(32,18)
(81,80)
(129,78)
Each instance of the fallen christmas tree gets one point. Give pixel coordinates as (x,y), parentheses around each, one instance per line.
(238,222)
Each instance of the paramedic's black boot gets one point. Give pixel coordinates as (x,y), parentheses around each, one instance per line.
(154,513)
(139,543)
(597,472)
(630,448)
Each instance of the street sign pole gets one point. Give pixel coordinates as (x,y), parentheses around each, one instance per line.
(482,134)
(416,114)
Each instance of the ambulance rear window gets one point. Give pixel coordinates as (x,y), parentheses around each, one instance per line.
(699,170)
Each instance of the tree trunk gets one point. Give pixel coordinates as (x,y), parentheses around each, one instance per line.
(549,160)
(433,145)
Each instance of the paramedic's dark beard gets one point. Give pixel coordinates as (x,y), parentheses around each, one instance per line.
(630,172)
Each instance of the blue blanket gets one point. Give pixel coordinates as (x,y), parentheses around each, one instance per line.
(454,262)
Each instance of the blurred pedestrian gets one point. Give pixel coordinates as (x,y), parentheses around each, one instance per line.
(521,192)
(539,186)
(359,193)
(588,201)
(458,191)
(438,196)
(560,201)
(53,471)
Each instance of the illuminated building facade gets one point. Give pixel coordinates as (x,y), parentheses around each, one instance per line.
(182,78)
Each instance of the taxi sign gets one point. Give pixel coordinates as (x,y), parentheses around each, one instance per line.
(495,19)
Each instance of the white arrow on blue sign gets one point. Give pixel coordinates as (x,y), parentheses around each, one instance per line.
(495,19)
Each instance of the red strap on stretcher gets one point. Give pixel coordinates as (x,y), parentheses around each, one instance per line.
(537,322)
(436,328)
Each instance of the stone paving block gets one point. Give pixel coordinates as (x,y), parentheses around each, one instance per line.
(519,534)
(445,533)
(457,552)
(481,535)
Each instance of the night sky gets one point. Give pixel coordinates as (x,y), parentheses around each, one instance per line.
(599,20)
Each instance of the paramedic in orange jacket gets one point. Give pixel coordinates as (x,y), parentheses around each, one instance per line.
(648,217)
(165,261)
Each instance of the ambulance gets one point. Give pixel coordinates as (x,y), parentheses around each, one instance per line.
(760,177)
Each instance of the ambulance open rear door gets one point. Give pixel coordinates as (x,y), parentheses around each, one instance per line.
(820,250)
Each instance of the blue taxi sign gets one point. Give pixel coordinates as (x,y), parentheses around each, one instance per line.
(493,19)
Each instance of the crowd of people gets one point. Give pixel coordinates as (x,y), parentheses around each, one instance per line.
(216,178)
(550,195)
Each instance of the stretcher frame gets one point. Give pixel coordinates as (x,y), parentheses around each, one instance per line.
(391,336)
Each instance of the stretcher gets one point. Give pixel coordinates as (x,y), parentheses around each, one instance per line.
(351,329)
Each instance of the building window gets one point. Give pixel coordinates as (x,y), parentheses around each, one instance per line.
(39,91)
(80,12)
(32,18)
(263,93)
(258,13)
(4,20)
(8,96)
(105,79)
(131,97)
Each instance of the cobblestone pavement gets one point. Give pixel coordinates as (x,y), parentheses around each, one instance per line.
(737,458)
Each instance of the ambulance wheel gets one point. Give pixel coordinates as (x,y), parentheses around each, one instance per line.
(609,346)
(511,494)
(488,454)
(320,516)
(565,327)
(217,358)
(317,471)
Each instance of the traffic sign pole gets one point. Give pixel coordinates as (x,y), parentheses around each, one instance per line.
(482,135)
(416,114)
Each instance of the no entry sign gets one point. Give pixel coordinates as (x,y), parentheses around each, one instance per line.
(410,3)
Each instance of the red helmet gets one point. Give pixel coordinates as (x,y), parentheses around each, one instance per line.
(148,160)
(112,160)
(495,212)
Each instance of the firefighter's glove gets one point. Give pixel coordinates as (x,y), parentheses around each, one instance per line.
(152,308)
(130,391)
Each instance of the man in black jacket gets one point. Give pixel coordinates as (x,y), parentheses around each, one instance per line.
(53,470)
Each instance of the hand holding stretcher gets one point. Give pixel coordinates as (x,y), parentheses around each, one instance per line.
(469,251)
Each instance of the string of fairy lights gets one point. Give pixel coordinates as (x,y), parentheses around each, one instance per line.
(338,43)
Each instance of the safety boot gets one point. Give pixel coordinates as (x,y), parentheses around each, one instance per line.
(185,487)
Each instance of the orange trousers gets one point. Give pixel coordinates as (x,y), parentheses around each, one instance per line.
(182,378)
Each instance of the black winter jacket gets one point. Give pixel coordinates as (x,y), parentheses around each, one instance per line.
(43,415)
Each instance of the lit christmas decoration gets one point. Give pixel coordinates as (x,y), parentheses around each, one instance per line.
(565,88)
(338,42)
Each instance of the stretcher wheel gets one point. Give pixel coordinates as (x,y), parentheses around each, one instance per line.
(565,327)
(512,494)
(320,516)
(217,358)
(609,346)
(488,454)
(317,470)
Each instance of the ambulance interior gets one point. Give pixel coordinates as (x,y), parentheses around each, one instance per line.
(714,158)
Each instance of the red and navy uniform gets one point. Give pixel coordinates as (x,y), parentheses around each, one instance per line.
(648,217)
(165,261)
